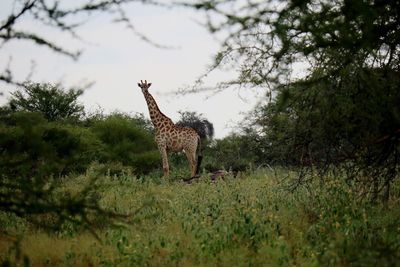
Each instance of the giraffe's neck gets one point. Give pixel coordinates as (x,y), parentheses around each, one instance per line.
(158,119)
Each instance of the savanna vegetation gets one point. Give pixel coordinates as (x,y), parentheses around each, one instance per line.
(311,177)
(251,220)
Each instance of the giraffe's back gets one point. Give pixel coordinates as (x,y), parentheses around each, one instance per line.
(179,138)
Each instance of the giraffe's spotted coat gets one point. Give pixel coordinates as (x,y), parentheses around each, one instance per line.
(170,137)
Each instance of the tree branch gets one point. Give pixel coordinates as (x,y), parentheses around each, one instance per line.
(39,41)
(13,18)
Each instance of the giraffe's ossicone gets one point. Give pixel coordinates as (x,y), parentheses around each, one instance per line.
(171,137)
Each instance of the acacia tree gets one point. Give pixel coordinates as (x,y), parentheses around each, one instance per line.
(49,100)
(267,39)
(333,67)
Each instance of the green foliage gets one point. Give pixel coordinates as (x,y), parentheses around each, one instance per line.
(36,155)
(251,221)
(126,141)
(351,122)
(334,68)
(32,147)
(348,232)
(234,152)
(50,100)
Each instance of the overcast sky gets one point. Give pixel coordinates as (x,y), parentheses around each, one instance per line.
(115,60)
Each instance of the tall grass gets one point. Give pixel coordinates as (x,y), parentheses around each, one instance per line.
(248,221)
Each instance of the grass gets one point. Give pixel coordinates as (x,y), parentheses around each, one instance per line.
(248,221)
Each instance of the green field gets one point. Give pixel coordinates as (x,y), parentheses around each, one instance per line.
(252,220)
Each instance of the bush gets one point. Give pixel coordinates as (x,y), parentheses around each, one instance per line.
(126,141)
(33,147)
(233,152)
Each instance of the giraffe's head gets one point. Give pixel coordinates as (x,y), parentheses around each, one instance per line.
(144,85)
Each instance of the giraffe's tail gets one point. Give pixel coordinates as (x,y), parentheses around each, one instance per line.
(199,156)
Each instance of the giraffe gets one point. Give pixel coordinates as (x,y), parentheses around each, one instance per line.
(171,137)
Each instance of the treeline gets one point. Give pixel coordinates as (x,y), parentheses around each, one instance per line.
(44,132)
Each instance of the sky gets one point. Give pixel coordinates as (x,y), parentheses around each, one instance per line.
(116,59)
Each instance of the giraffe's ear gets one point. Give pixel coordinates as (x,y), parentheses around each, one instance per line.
(139,85)
(149,84)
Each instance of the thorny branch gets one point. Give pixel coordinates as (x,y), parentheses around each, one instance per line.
(68,20)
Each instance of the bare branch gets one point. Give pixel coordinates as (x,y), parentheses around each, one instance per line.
(52,14)
(124,19)
(39,41)
(13,18)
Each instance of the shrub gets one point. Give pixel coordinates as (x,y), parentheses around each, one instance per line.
(126,141)
(33,147)
(233,152)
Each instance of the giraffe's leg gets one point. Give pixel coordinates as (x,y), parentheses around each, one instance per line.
(164,156)
(191,156)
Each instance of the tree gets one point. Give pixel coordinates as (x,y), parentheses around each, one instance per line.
(33,148)
(203,127)
(49,100)
(351,123)
(333,66)
(266,40)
